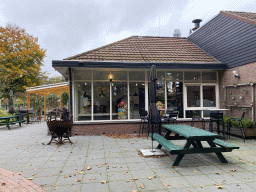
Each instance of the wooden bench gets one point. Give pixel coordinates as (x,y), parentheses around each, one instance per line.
(228,146)
(171,147)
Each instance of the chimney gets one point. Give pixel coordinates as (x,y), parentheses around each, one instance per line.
(176,33)
(197,23)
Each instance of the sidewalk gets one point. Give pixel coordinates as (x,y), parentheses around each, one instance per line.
(100,163)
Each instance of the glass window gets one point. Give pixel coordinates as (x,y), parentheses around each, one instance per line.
(119,75)
(193,96)
(83,101)
(175,97)
(137,76)
(174,76)
(160,75)
(192,77)
(101,105)
(160,97)
(209,96)
(209,77)
(193,113)
(83,74)
(100,75)
(119,101)
(137,99)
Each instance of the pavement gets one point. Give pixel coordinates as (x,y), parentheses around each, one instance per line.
(101,163)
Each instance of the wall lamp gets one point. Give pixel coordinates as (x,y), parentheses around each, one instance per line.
(236,74)
(110,76)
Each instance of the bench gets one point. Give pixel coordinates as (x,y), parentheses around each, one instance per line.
(228,146)
(9,121)
(171,147)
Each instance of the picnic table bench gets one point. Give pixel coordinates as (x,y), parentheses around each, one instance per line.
(194,137)
(9,120)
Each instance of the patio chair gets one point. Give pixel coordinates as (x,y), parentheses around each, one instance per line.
(242,129)
(196,119)
(171,116)
(216,116)
(143,121)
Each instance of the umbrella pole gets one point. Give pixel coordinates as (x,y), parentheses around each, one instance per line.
(152,124)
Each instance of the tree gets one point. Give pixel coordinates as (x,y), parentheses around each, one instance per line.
(55,79)
(21,59)
(64,98)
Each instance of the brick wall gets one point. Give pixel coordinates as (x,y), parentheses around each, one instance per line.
(247,73)
(121,128)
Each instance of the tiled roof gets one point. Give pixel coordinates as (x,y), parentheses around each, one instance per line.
(148,49)
(243,16)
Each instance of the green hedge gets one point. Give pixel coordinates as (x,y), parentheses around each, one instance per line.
(247,123)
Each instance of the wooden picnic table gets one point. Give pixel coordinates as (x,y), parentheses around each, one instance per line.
(193,137)
(7,120)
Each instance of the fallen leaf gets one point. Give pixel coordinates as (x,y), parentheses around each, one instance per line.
(233,170)
(218,173)
(55,188)
(127,180)
(150,178)
(181,184)
(126,149)
(89,167)
(142,186)
(133,191)
(20,173)
(165,184)
(194,171)
(78,180)
(114,166)
(65,176)
(30,178)
(103,181)
(3,184)
(219,187)
(201,186)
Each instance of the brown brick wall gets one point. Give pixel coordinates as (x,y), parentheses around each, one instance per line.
(122,128)
(247,73)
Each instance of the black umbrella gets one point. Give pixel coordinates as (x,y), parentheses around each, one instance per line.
(154,116)
(11,103)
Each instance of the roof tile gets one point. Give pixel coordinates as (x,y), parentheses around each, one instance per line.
(148,49)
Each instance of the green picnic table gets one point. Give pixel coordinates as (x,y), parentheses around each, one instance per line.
(9,120)
(193,137)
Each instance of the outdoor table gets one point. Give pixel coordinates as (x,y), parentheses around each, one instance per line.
(6,120)
(193,136)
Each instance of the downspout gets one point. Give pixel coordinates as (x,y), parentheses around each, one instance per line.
(70,95)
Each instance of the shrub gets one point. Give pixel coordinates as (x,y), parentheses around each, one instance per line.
(4,113)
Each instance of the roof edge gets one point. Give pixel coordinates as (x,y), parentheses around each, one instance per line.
(238,17)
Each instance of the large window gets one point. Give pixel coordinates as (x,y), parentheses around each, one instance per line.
(97,98)
(101,100)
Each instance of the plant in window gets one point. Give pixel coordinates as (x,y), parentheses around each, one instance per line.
(251,83)
(243,109)
(229,91)
(228,106)
(235,102)
(234,84)
(232,96)
(244,90)
(240,96)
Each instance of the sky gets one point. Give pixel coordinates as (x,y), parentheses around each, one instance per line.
(69,27)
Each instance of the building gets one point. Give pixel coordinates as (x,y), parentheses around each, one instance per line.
(109,85)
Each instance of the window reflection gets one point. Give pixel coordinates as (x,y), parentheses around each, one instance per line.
(119,101)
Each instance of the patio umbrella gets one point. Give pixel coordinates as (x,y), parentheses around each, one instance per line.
(11,103)
(154,116)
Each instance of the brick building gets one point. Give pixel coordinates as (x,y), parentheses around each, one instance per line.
(109,85)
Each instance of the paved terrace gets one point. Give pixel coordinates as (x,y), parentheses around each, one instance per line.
(100,163)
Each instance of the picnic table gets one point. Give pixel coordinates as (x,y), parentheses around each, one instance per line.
(9,120)
(193,137)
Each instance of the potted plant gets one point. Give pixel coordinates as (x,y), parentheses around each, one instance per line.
(251,83)
(244,90)
(234,84)
(228,106)
(243,109)
(232,97)
(235,102)
(86,109)
(229,91)
(240,96)
(251,103)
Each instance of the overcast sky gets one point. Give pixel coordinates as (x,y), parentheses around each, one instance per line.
(69,27)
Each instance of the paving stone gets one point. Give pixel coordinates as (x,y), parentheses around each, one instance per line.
(117,186)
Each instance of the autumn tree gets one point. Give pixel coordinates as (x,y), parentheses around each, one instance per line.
(21,59)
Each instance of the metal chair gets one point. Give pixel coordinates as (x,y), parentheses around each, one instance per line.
(171,116)
(143,120)
(216,116)
(196,119)
(242,129)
